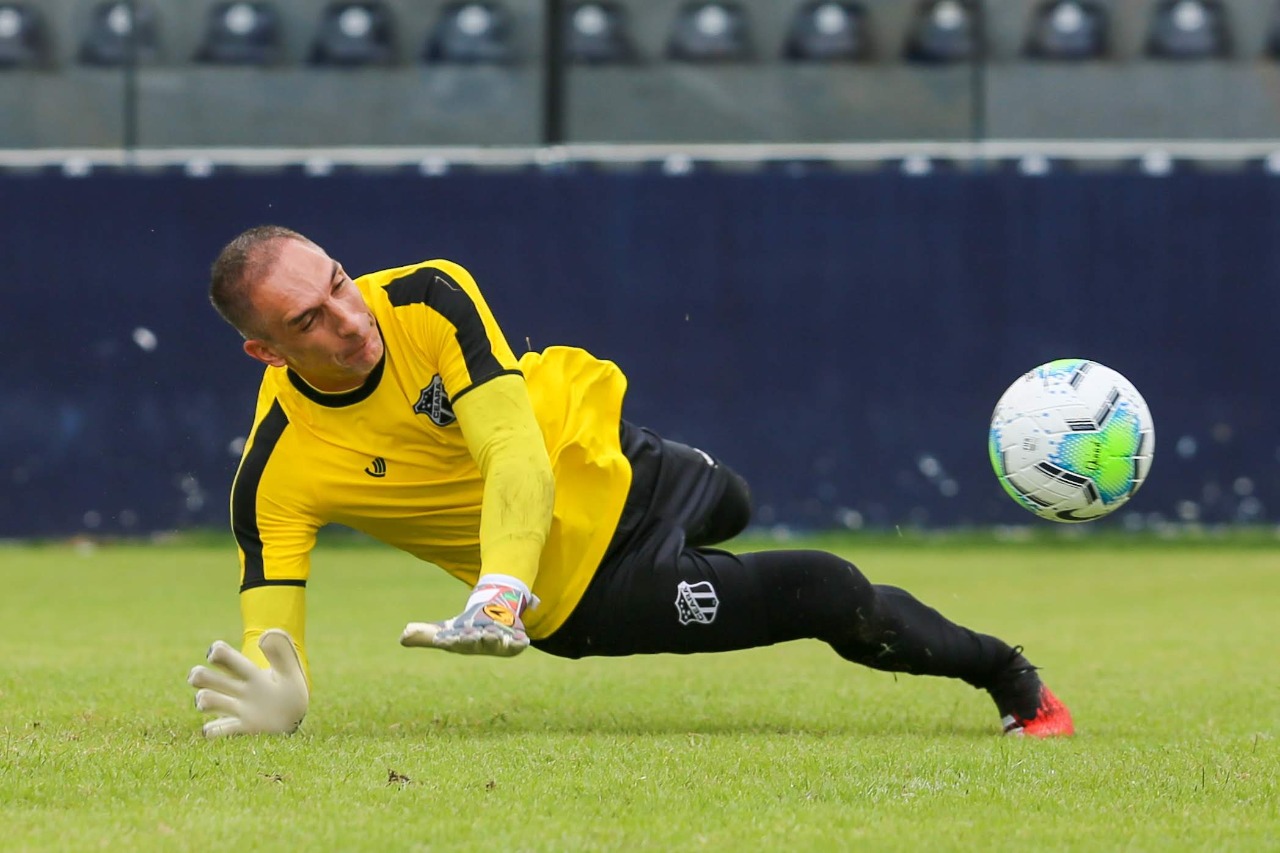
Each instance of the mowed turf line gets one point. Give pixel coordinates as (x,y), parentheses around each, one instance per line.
(1166,655)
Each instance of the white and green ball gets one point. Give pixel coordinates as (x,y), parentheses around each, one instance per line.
(1072,440)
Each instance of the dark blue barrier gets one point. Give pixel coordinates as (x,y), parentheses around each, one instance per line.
(824,334)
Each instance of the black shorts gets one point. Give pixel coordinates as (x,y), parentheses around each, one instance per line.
(658,588)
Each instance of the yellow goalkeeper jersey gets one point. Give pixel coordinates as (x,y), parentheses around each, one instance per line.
(389,458)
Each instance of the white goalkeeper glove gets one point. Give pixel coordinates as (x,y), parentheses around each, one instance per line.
(490,624)
(246,698)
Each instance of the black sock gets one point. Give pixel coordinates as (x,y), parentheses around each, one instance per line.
(900,634)
(820,595)
(1016,690)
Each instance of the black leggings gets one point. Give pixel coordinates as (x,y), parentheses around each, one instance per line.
(659,589)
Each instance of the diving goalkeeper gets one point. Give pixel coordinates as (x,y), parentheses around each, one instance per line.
(392,404)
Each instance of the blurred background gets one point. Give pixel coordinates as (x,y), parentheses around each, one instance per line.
(821,238)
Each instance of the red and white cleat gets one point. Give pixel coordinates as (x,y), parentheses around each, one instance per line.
(1052,719)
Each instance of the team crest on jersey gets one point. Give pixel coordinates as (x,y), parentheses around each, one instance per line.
(696,603)
(434,403)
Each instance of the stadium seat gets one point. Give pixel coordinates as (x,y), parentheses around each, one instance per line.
(121,32)
(1273,33)
(944,31)
(597,33)
(241,33)
(471,33)
(1188,29)
(352,34)
(710,32)
(1068,29)
(827,31)
(22,37)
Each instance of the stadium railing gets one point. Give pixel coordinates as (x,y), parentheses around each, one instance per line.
(1031,157)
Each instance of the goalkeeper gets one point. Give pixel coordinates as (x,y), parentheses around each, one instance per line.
(392,404)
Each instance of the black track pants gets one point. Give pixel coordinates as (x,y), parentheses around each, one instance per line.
(659,589)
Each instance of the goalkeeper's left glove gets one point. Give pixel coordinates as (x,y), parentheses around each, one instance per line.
(247,699)
(490,624)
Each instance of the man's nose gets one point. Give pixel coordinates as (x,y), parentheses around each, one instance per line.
(349,322)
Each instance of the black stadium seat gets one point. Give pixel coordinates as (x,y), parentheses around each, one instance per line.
(597,33)
(827,31)
(710,32)
(22,36)
(471,33)
(1273,34)
(241,33)
(1188,29)
(945,31)
(1068,29)
(352,34)
(121,32)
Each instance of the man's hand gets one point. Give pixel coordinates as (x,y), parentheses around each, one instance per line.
(249,700)
(489,626)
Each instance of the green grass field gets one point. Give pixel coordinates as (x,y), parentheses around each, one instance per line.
(1165,652)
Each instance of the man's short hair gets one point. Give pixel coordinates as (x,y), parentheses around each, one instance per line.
(237,269)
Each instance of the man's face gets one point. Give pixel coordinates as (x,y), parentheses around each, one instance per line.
(314,320)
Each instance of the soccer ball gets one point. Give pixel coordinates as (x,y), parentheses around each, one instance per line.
(1071,440)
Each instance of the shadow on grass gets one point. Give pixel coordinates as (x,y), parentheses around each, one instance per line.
(628,726)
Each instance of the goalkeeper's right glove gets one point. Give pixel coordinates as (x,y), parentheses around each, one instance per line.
(490,624)
(247,699)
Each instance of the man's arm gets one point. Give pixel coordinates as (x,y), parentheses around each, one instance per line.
(264,687)
(282,607)
(504,438)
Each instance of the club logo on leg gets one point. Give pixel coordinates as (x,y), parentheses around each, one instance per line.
(696,603)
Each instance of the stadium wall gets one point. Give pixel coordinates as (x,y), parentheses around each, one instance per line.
(839,338)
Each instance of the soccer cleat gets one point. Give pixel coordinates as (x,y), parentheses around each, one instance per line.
(1026,706)
(1051,719)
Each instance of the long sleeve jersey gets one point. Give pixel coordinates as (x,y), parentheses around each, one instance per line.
(438,453)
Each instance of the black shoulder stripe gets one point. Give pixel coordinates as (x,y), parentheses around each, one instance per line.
(439,292)
(244,494)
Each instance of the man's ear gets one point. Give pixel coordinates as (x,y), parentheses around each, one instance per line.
(262,351)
